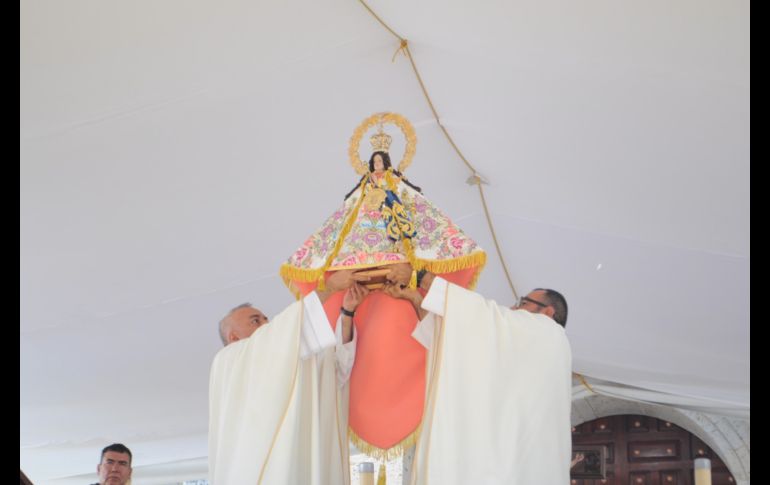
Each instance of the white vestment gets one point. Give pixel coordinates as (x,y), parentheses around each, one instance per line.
(498,397)
(276,413)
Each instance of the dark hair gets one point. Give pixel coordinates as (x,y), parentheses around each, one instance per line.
(385,160)
(386,165)
(559,304)
(117,448)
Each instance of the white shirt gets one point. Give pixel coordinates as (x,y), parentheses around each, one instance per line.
(434,303)
(316,335)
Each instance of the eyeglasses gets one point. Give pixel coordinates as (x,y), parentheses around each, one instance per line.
(526,299)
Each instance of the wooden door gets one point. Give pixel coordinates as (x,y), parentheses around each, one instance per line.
(642,450)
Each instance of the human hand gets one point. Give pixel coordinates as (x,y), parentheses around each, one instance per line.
(398,291)
(411,295)
(578,458)
(354,296)
(400,273)
(344,279)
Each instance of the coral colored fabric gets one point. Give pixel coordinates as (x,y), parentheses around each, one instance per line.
(387,384)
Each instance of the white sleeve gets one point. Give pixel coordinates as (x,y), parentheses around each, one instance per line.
(423,332)
(434,304)
(316,333)
(345,354)
(435,299)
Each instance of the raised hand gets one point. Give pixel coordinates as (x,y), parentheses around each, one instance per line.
(397,291)
(411,295)
(344,279)
(400,273)
(354,296)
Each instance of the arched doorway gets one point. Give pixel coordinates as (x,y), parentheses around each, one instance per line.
(643,450)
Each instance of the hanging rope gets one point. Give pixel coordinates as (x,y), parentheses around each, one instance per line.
(401,48)
(584,382)
(404,47)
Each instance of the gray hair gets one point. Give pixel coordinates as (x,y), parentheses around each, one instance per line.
(223,322)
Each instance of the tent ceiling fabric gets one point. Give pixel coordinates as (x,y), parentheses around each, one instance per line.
(173,154)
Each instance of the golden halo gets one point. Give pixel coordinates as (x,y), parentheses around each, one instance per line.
(362,166)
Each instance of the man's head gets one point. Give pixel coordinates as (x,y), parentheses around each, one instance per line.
(240,323)
(545,301)
(115,465)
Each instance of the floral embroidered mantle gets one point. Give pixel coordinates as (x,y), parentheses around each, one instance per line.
(438,245)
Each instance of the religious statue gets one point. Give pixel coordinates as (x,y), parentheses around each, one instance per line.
(384,220)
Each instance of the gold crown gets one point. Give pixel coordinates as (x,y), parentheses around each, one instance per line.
(380,141)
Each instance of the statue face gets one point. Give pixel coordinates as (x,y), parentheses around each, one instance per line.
(379,165)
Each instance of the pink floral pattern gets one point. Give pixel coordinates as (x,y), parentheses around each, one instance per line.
(367,244)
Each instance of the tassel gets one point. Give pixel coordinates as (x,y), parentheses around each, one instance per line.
(413,280)
(343,234)
(381,476)
(384,454)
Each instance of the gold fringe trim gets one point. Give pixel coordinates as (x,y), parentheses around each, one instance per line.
(290,274)
(478,260)
(475,279)
(385,454)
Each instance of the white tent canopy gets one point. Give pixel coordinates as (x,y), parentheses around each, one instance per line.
(174,154)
